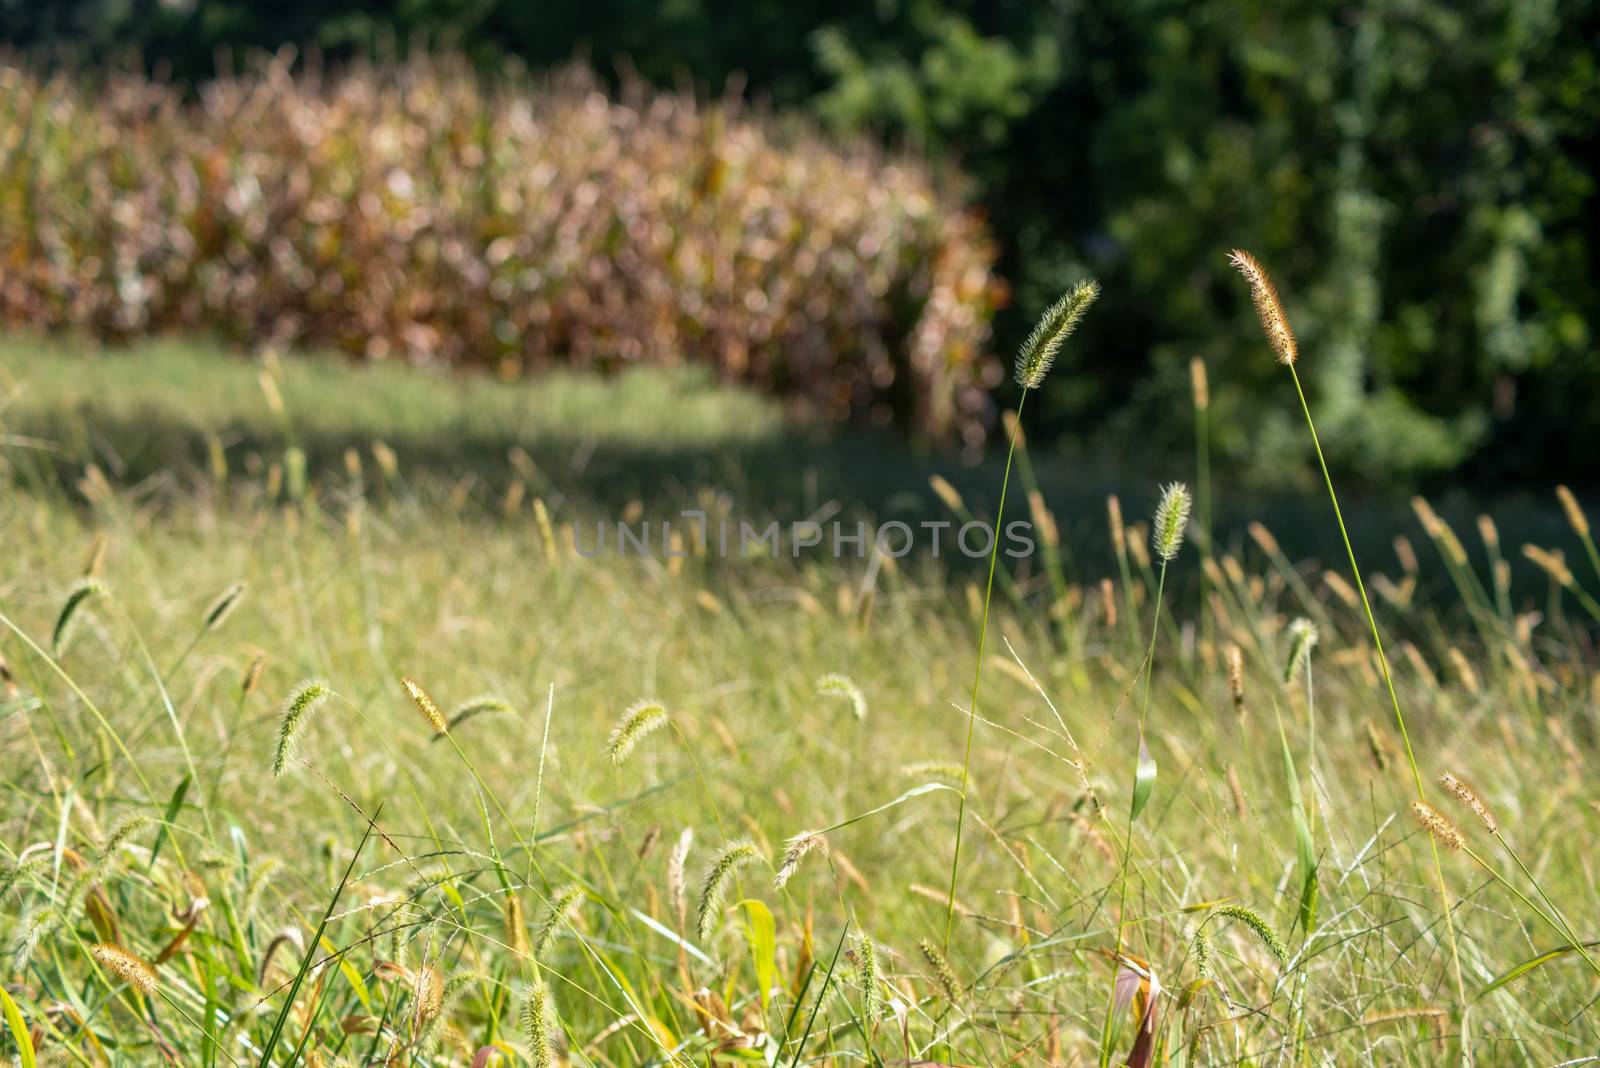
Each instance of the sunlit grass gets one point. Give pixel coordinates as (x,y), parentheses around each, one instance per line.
(514,876)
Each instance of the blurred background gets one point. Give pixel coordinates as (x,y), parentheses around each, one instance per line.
(857,207)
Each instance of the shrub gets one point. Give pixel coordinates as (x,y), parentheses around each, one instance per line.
(415,211)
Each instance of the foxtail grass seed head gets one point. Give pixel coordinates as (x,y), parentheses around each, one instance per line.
(1200,950)
(1378,747)
(1198,385)
(1574,512)
(677,864)
(871,981)
(1465,794)
(125,966)
(942,972)
(298,707)
(1263,930)
(947,493)
(794,852)
(638,719)
(1264,538)
(539,1024)
(1108,602)
(483,705)
(1551,563)
(1171,519)
(1303,638)
(1269,309)
(1039,351)
(428,995)
(1235,658)
(78,598)
(1437,824)
(516,925)
(714,887)
(425,704)
(252,675)
(561,911)
(836,685)
(220,609)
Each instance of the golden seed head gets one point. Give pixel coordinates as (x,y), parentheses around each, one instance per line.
(1263,537)
(1269,309)
(125,966)
(947,493)
(1235,658)
(429,993)
(1552,563)
(1488,533)
(1108,601)
(425,704)
(1575,516)
(1405,554)
(1198,384)
(794,852)
(1437,824)
(1469,797)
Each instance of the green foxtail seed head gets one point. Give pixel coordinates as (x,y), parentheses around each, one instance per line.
(638,720)
(1038,352)
(1200,950)
(942,971)
(483,705)
(302,701)
(82,592)
(1303,638)
(1269,309)
(560,912)
(1252,919)
(1171,519)
(836,685)
(218,611)
(871,982)
(714,888)
(539,1024)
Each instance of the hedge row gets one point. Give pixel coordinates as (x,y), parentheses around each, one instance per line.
(416,212)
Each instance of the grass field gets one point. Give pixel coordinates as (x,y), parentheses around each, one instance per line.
(521,888)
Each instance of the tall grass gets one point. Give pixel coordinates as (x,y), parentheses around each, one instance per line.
(739,867)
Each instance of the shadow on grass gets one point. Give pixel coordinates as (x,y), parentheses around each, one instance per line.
(644,444)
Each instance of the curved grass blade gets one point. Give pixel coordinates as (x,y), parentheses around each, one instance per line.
(1529,965)
(19,1030)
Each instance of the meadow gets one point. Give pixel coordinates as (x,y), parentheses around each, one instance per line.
(322,745)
